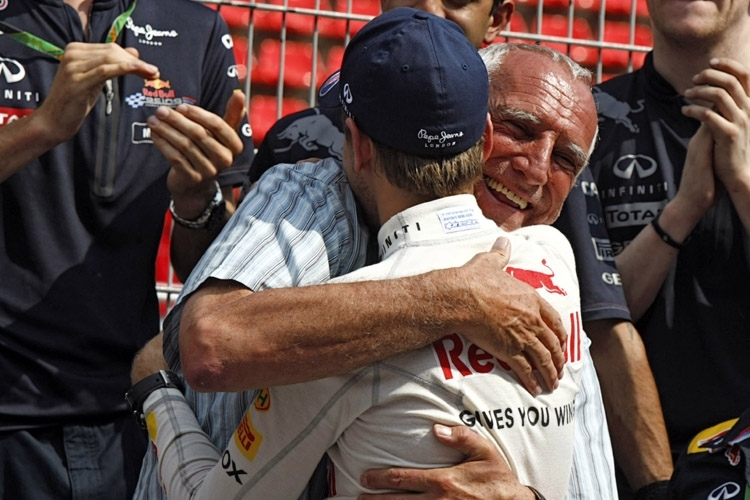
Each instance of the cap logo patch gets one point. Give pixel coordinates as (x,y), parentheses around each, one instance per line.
(442,140)
(347,92)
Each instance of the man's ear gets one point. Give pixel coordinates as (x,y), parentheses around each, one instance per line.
(499,19)
(361,146)
(487,148)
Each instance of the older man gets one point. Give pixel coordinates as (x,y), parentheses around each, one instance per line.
(416,95)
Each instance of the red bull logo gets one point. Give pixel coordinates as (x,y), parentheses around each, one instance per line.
(458,357)
(157,84)
(537,279)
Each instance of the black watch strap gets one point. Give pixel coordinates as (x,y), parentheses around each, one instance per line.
(537,495)
(137,394)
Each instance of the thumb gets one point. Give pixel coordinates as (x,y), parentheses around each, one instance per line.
(235,109)
(463,439)
(502,247)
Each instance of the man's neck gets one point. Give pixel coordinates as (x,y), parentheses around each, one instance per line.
(83,7)
(678,62)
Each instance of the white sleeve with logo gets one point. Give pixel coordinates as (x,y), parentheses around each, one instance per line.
(274,450)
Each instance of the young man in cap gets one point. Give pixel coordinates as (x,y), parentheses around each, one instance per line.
(416,97)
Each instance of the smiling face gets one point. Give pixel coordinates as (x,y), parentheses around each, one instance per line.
(544,123)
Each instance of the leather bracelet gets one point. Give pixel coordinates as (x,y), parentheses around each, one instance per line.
(666,238)
(137,394)
(658,490)
(537,495)
(211,217)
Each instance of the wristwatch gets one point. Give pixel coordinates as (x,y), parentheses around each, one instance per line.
(211,217)
(137,394)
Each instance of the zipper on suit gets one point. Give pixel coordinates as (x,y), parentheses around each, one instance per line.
(106,144)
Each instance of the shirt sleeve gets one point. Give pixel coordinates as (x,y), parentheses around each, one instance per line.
(582,222)
(275,448)
(298,226)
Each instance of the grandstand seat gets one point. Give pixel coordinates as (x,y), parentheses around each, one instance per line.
(339,28)
(517,24)
(298,64)
(240,49)
(335,58)
(620,32)
(557,25)
(263,113)
(236,17)
(300,23)
(547,5)
(624,8)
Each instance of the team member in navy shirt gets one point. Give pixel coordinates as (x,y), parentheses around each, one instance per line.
(84,191)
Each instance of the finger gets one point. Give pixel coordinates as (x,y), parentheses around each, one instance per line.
(502,247)
(724,90)
(735,68)
(202,124)
(191,141)
(105,60)
(539,356)
(465,440)
(403,480)
(181,166)
(235,109)
(524,370)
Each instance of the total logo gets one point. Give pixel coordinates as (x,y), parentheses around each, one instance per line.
(157,93)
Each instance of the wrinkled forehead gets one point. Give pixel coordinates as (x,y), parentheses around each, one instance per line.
(535,85)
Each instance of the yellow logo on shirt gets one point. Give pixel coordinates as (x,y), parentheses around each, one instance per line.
(263,400)
(247,438)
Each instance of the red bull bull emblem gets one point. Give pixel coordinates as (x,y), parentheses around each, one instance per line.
(537,279)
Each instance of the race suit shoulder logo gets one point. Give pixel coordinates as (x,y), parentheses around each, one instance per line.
(643,165)
(263,400)
(618,111)
(157,93)
(247,438)
(12,70)
(313,133)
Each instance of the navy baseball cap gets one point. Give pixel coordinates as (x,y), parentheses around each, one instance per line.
(412,81)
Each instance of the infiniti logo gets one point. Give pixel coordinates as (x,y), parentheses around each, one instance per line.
(11,70)
(626,165)
(347,94)
(724,492)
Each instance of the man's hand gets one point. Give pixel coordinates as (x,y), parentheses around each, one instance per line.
(522,329)
(79,84)
(483,475)
(150,359)
(723,93)
(198,145)
(699,187)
